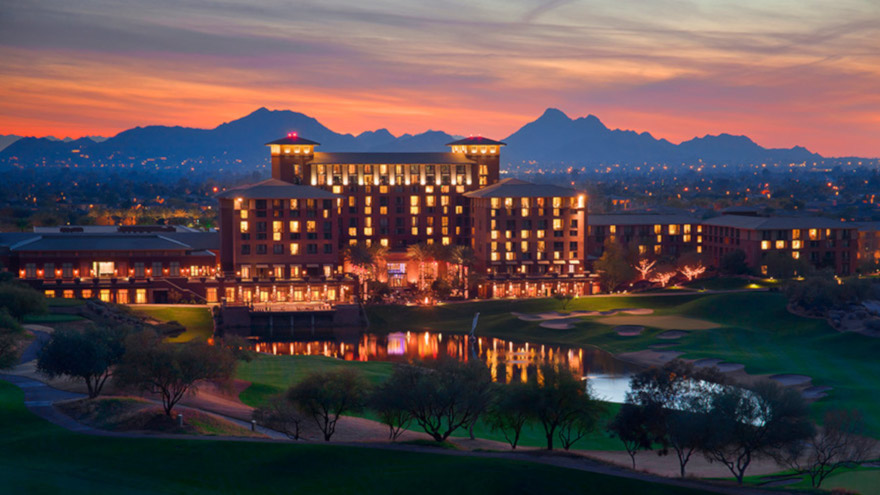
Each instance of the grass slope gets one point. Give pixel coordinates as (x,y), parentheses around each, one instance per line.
(198,320)
(37,457)
(755,329)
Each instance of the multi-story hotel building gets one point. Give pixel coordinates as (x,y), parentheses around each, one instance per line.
(528,239)
(651,235)
(821,242)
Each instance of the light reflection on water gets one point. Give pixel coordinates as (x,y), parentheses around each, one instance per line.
(507,360)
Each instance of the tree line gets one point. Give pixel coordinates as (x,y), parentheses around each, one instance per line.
(682,410)
(442,398)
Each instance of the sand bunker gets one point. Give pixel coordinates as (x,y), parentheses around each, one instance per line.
(556,315)
(813,393)
(791,380)
(665,345)
(672,334)
(650,357)
(667,322)
(629,330)
(560,324)
(717,363)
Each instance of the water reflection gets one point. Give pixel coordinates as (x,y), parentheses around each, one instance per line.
(507,360)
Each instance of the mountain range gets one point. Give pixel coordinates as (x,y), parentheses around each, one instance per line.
(553,138)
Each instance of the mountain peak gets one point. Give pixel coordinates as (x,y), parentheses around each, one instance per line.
(554,114)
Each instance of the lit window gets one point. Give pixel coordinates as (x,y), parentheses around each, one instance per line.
(294,226)
(294,248)
(244,226)
(796,244)
(524,234)
(765,245)
(796,255)
(780,244)
(658,229)
(140,296)
(557,224)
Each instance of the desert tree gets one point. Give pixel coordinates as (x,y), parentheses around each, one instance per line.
(90,355)
(559,400)
(391,407)
(749,423)
(327,395)
(510,411)
(675,398)
(171,370)
(842,441)
(443,396)
(613,266)
(280,414)
(630,426)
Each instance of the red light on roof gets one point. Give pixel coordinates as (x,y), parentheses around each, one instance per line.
(291,134)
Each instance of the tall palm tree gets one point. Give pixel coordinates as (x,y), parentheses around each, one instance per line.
(363,260)
(463,257)
(420,253)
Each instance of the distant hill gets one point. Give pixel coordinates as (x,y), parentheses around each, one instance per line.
(6,140)
(556,138)
(553,138)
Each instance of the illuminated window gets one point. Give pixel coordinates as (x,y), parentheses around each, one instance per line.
(796,244)
(796,254)
(510,256)
(814,234)
(643,249)
(557,224)
(780,244)
(796,234)
(311,226)
(687,228)
(49,293)
(686,238)
(415,231)
(524,234)
(765,245)
(277,229)
(673,229)
(294,248)
(540,234)
(384,242)
(459,210)
(494,234)
(244,214)
(430,201)
(496,202)
(658,229)
(495,257)
(524,246)
(243,226)
(557,202)
(104,295)
(659,238)
(658,249)
(294,204)
(612,229)
(68,294)
(140,296)
(87,293)
(445,241)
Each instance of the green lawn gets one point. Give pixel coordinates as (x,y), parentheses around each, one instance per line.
(756,330)
(51,318)
(37,457)
(197,320)
(862,481)
(272,375)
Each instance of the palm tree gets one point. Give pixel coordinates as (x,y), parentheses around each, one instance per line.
(420,253)
(363,262)
(463,257)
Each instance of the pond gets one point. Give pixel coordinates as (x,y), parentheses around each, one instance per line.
(507,360)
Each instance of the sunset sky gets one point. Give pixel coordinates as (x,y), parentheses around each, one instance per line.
(784,72)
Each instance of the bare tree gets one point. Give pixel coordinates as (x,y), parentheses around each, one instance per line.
(630,426)
(281,415)
(693,271)
(842,441)
(510,411)
(391,407)
(644,267)
(662,278)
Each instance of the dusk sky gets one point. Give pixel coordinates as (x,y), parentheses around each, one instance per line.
(784,72)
